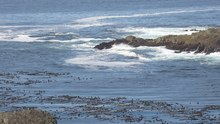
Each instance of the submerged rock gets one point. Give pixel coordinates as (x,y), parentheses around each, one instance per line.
(207,41)
(27,116)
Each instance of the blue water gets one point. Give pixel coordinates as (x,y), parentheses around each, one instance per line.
(59,36)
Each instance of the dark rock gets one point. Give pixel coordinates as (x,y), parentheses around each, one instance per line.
(207,41)
(200,48)
(193,30)
(177,51)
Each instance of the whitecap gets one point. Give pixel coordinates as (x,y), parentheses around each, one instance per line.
(24,38)
(163,54)
(152,33)
(17,38)
(105,58)
(94,61)
(98,20)
(88,46)
(91,39)
(178,12)
(126,50)
(89,24)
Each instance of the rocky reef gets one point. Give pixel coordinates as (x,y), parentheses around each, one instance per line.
(27,116)
(207,41)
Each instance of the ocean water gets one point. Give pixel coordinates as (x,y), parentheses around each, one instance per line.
(59,36)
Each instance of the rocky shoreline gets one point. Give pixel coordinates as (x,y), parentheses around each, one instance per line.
(207,42)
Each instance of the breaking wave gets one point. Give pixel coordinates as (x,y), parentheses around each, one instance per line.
(153,33)
(99,20)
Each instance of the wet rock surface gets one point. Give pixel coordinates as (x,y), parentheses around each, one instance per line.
(27,116)
(207,41)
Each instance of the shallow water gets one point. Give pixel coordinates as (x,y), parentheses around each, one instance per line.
(46,49)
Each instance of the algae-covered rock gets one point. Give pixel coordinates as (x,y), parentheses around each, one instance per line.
(207,41)
(27,116)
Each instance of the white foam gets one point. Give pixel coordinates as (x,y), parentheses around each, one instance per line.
(124,53)
(212,59)
(8,34)
(17,38)
(177,12)
(48,27)
(122,47)
(163,54)
(2,36)
(24,38)
(153,33)
(91,39)
(85,43)
(88,46)
(93,61)
(102,58)
(125,50)
(82,39)
(13,33)
(97,20)
(89,24)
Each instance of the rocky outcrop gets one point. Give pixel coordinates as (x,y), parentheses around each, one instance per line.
(27,116)
(130,40)
(207,41)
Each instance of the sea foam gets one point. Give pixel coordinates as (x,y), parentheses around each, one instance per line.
(99,20)
(163,54)
(152,33)
(93,62)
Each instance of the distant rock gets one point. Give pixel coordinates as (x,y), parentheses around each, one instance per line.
(27,116)
(207,41)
